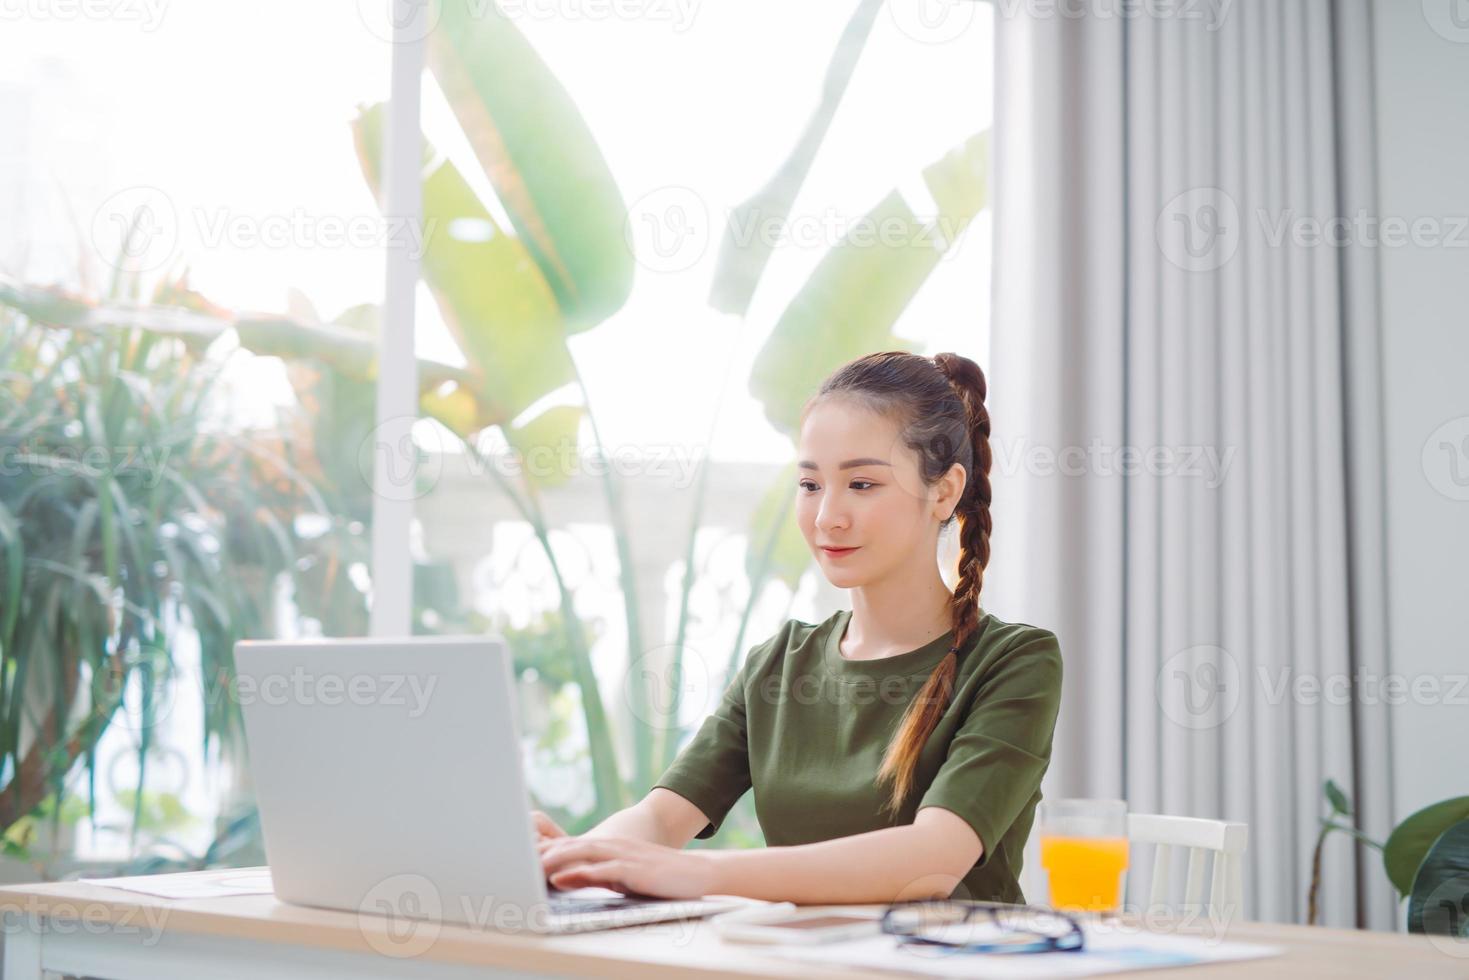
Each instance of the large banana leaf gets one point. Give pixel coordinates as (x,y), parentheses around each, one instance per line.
(541,158)
(495,301)
(852,301)
(742,262)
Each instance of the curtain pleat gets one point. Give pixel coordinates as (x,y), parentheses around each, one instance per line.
(1355,155)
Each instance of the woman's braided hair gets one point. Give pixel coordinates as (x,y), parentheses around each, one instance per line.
(938,404)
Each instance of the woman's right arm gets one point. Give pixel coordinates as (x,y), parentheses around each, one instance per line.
(661,817)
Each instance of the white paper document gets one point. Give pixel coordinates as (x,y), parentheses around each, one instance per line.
(195,884)
(1105,952)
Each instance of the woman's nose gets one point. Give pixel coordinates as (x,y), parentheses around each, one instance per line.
(830,518)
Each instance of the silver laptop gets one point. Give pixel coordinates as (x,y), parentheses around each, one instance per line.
(389,781)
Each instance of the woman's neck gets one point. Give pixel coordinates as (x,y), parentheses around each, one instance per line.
(896,616)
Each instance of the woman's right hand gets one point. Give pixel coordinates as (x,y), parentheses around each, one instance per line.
(546,827)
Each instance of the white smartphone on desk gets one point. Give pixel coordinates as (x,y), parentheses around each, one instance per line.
(785,923)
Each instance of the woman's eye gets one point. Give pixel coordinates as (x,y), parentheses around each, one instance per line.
(807,485)
(864,484)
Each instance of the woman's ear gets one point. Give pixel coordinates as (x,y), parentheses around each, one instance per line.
(950,489)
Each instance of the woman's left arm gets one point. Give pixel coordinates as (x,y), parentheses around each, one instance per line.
(924,859)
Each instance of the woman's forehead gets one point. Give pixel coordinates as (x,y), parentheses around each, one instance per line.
(839,430)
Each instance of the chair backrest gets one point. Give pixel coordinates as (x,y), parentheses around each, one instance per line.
(1164,834)
(1197,838)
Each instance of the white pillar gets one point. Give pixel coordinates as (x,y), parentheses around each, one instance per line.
(397,382)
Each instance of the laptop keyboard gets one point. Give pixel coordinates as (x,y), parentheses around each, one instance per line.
(565,906)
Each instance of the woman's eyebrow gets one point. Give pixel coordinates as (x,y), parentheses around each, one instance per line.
(806,464)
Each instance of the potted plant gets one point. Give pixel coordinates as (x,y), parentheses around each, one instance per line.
(1426,858)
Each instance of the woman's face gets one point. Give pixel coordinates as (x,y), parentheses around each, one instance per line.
(859,487)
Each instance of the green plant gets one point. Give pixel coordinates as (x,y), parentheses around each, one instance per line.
(1426,857)
(128,516)
(1339,806)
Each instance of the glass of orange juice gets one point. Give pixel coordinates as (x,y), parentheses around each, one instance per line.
(1084,852)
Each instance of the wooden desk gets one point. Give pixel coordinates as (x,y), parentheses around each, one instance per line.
(91,930)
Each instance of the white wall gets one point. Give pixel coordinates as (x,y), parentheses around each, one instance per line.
(1422,87)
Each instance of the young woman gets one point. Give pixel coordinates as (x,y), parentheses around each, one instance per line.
(896,750)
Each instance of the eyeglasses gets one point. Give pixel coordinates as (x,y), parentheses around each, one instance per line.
(943,927)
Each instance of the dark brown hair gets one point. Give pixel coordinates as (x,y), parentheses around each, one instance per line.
(938,405)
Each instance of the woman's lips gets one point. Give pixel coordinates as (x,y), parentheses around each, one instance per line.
(838,552)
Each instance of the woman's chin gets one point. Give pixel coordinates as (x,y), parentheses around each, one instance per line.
(844,578)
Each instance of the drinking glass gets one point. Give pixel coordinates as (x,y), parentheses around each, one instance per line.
(1084,852)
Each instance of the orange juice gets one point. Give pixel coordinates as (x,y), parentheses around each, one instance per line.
(1085,872)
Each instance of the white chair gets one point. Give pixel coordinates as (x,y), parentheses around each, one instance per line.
(1165,834)
(1200,838)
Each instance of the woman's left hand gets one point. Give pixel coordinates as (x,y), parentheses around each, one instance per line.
(627,865)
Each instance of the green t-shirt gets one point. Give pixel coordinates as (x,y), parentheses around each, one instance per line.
(807,729)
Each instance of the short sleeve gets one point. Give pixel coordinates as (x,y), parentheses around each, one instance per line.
(1002,749)
(713,769)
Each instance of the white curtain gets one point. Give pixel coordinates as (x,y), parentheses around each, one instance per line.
(1187,418)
